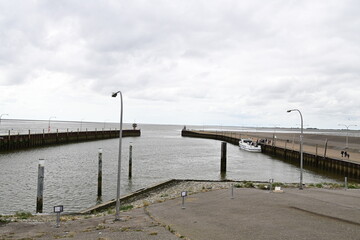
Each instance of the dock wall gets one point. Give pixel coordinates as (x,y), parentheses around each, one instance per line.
(23,141)
(310,161)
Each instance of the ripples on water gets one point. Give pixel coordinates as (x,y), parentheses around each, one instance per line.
(159,154)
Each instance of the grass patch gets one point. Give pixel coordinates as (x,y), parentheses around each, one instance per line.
(238,185)
(353,186)
(4,221)
(263,186)
(278,184)
(319,185)
(249,185)
(126,207)
(23,215)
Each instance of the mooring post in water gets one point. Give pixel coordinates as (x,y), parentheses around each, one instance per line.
(326,142)
(100,174)
(130,161)
(40,187)
(223,157)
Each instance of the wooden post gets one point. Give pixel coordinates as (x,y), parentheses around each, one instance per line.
(9,140)
(40,187)
(223,157)
(326,141)
(29,140)
(130,161)
(100,174)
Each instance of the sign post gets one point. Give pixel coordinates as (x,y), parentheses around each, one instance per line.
(58,210)
(183,195)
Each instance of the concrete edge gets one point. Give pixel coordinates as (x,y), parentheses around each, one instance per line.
(144,192)
(138,194)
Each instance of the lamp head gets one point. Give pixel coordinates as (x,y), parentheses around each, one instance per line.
(289,111)
(114,94)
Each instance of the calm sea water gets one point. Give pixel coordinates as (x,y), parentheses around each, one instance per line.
(158,155)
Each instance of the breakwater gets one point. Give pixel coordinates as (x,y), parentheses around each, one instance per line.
(22,141)
(311,161)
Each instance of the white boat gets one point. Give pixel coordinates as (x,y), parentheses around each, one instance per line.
(249,145)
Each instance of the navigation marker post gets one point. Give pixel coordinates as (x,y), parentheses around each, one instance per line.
(40,186)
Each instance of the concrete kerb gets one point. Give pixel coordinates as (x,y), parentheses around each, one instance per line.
(139,194)
(144,192)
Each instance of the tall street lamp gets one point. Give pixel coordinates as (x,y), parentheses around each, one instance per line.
(347,134)
(117,215)
(301,148)
(49,122)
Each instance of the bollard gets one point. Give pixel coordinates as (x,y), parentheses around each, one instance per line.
(130,161)
(346,183)
(223,157)
(232,191)
(100,174)
(40,187)
(271,180)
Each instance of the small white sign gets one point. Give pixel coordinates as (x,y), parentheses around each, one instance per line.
(184,194)
(58,209)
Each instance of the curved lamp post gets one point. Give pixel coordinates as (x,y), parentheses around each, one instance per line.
(49,122)
(347,134)
(117,215)
(301,148)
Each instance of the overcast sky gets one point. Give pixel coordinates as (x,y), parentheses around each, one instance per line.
(240,63)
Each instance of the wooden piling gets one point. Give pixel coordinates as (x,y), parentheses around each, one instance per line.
(326,142)
(130,161)
(40,187)
(99,194)
(223,157)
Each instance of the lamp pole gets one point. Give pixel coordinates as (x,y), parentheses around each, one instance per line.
(117,215)
(347,134)
(301,147)
(49,122)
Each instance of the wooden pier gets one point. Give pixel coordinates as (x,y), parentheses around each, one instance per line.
(30,140)
(341,167)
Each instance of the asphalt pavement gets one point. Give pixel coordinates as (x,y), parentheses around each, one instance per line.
(251,214)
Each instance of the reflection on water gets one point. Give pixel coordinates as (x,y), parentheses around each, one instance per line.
(158,155)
